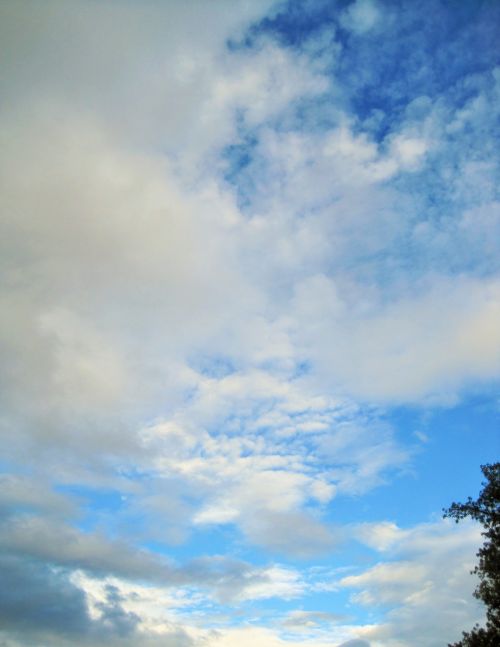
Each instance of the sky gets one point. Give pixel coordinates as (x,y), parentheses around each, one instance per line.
(250,331)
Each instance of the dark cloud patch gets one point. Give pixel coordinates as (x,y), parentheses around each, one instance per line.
(55,544)
(114,616)
(62,545)
(40,605)
(37,598)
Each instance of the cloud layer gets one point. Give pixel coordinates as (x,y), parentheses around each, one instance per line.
(237,240)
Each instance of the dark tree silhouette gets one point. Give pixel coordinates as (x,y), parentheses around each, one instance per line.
(486,510)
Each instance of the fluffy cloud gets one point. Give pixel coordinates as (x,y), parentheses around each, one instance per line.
(426,584)
(413,347)
(272,467)
(361,16)
(218,266)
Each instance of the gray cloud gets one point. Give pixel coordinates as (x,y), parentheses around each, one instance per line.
(53,544)
(61,545)
(292,533)
(35,598)
(40,604)
(112,614)
(31,494)
(423,583)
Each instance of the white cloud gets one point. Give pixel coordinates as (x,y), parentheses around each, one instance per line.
(408,349)
(201,359)
(269,455)
(409,150)
(361,16)
(380,536)
(248,637)
(158,608)
(300,620)
(426,585)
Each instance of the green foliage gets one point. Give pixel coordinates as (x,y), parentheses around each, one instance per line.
(486,510)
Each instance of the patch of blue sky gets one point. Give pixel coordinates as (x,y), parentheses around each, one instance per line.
(237,157)
(213,366)
(274,611)
(460,438)
(203,540)
(447,441)
(335,602)
(96,498)
(419,54)
(323,592)
(96,504)
(294,22)
(319,588)
(439,31)
(451,244)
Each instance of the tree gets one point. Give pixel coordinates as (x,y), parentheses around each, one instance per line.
(486,510)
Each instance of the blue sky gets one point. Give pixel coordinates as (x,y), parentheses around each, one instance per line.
(250,338)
